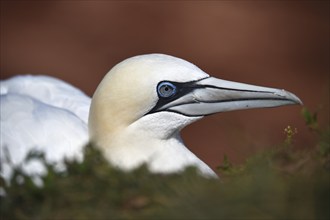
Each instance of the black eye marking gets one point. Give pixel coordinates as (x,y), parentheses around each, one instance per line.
(166,89)
(169,91)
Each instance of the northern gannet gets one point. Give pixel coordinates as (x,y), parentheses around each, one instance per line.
(136,113)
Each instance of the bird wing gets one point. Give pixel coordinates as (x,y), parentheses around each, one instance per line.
(44,114)
(51,91)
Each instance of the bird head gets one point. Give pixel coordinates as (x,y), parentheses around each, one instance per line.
(157,95)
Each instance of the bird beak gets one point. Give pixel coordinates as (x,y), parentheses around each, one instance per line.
(211,95)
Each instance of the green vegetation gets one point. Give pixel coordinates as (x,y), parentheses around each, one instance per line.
(286,182)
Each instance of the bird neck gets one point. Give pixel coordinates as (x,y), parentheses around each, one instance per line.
(153,139)
(128,151)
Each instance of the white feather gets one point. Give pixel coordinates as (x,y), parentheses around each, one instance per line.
(44,114)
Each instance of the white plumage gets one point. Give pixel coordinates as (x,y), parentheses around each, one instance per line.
(41,113)
(135,116)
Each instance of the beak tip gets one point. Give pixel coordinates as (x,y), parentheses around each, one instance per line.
(294,98)
(299,102)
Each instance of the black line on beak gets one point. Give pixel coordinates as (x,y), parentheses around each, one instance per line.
(187,87)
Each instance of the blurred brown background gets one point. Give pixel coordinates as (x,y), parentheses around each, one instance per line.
(277,44)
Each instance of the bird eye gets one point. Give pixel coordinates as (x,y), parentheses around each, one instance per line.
(166,89)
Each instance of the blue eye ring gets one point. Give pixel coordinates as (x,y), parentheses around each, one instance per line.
(166,89)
